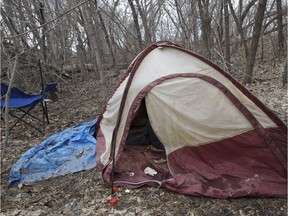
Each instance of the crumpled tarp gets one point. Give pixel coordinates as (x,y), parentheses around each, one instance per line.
(68,151)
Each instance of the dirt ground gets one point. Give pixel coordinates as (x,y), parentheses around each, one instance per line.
(85,193)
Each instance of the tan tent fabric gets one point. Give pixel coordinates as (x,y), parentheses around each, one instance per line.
(159,63)
(109,119)
(217,136)
(189,102)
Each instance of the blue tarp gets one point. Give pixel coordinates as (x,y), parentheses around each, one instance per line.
(68,151)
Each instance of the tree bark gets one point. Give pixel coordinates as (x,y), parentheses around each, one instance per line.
(281,38)
(194,24)
(255,40)
(205,26)
(181,20)
(43,37)
(104,29)
(147,34)
(239,29)
(227,35)
(136,23)
(6,114)
(285,72)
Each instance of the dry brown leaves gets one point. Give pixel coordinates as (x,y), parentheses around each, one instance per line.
(85,193)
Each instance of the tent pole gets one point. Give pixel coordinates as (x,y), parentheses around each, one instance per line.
(113,161)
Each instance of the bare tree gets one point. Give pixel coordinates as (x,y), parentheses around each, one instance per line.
(194,15)
(44,28)
(182,23)
(239,22)
(281,39)
(104,29)
(94,43)
(61,33)
(254,42)
(227,34)
(136,23)
(6,115)
(147,33)
(203,6)
(285,72)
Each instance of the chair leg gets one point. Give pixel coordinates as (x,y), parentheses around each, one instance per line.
(26,112)
(20,119)
(45,114)
(45,111)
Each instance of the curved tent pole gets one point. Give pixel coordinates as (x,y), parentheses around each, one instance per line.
(132,70)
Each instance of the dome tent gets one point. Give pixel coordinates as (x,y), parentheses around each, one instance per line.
(217,139)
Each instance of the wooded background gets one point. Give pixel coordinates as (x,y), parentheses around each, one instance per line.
(90,36)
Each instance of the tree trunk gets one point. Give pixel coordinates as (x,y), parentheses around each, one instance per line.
(6,15)
(95,45)
(147,34)
(104,29)
(43,37)
(194,24)
(227,35)
(181,20)
(285,73)
(205,26)
(136,23)
(281,38)
(81,59)
(6,114)
(239,29)
(255,40)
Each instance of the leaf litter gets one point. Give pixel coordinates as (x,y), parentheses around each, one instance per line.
(85,193)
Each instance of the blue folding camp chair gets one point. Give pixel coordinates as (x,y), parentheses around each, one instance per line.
(20,101)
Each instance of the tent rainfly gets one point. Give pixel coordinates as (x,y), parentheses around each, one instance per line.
(178,121)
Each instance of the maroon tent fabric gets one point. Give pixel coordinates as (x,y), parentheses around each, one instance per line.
(233,147)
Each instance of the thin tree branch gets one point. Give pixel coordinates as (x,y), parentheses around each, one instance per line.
(46,23)
(6,115)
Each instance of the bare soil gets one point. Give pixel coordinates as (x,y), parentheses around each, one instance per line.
(85,193)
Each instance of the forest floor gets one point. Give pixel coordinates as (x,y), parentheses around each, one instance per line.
(85,193)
